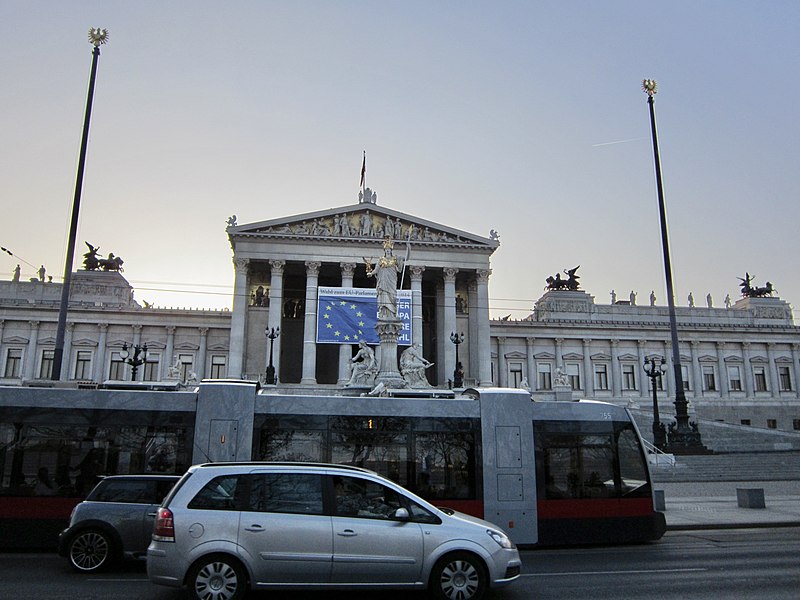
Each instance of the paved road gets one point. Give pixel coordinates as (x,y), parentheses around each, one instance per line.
(744,564)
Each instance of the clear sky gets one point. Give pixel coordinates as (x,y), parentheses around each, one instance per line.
(525,117)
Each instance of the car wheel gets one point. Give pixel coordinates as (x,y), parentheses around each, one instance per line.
(458,576)
(217,577)
(90,551)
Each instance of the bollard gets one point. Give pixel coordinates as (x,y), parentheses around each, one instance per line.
(750,497)
(661,504)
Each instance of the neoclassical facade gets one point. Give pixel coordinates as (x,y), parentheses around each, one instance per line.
(740,362)
(280,265)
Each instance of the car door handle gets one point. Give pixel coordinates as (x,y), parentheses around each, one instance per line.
(255,527)
(347,533)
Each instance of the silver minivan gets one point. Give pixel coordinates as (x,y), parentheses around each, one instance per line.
(226,528)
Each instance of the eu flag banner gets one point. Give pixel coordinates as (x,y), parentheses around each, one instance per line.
(348,315)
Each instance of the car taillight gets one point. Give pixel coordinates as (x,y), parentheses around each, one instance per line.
(164,528)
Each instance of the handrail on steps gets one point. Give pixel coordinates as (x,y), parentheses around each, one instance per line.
(656,456)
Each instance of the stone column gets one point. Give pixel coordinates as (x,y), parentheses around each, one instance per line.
(723,371)
(772,366)
(170,349)
(484,335)
(442,336)
(30,353)
(310,324)
(795,366)
(530,362)
(66,365)
(449,320)
(749,385)
(616,373)
(200,370)
(275,312)
(588,372)
(346,350)
(472,320)
(100,358)
(559,352)
(644,391)
(416,272)
(502,367)
(238,317)
(699,383)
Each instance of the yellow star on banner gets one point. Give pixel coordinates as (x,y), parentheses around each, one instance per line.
(329,325)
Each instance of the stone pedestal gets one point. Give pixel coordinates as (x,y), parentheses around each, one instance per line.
(563,392)
(388,372)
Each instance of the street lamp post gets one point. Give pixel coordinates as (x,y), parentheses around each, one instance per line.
(97,37)
(654,368)
(134,361)
(683,437)
(272,333)
(458,372)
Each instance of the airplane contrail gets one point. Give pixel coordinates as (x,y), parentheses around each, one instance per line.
(617,142)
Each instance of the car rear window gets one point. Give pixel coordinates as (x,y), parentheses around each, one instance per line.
(125,491)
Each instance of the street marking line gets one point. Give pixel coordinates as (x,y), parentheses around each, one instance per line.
(637,572)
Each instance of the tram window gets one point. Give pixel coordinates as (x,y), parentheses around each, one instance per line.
(632,468)
(443,465)
(578,466)
(290,445)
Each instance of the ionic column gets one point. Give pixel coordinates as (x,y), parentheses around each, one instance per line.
(530,362)
(749,385)
(643,391)
(449,315)
(588,373)
(773,370)
(484,336)
(723,371)
(699,383)
(502,367)
(616,373)
(30,353)
(795,366)
(275,311)
(170,349)
(238,317)
(100,359)
(472,325)
(201,358)
(310,324)
(416,272)
(346,350)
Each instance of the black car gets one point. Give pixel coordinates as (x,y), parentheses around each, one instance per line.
(114,522)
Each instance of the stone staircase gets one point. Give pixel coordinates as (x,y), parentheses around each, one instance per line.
(741,466)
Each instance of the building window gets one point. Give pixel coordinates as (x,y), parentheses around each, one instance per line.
(13,363)
(760,378)
(772,423)
(186,360)
(574,374)
(785,378)
(628,377)
(117,370)
(796,424)
(218,366)
(545,378)
(709,381)
(83,365)
(685,376)
(745,422)
(734,379)
(151,367)
(601,377)
(46,367)
(515,370)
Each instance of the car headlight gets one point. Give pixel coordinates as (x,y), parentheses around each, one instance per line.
(501,538)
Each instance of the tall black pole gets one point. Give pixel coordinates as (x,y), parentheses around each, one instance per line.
(96,37)
(683,438)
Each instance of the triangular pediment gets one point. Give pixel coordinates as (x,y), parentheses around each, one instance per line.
(362,222)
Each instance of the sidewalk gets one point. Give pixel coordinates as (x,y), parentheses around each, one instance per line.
(715,505)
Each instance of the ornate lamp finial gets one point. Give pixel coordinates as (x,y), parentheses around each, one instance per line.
(649,87)
(98,36)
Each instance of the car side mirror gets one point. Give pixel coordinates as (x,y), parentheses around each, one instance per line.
(401,514)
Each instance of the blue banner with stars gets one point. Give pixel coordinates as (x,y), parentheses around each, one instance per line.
(348,315)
